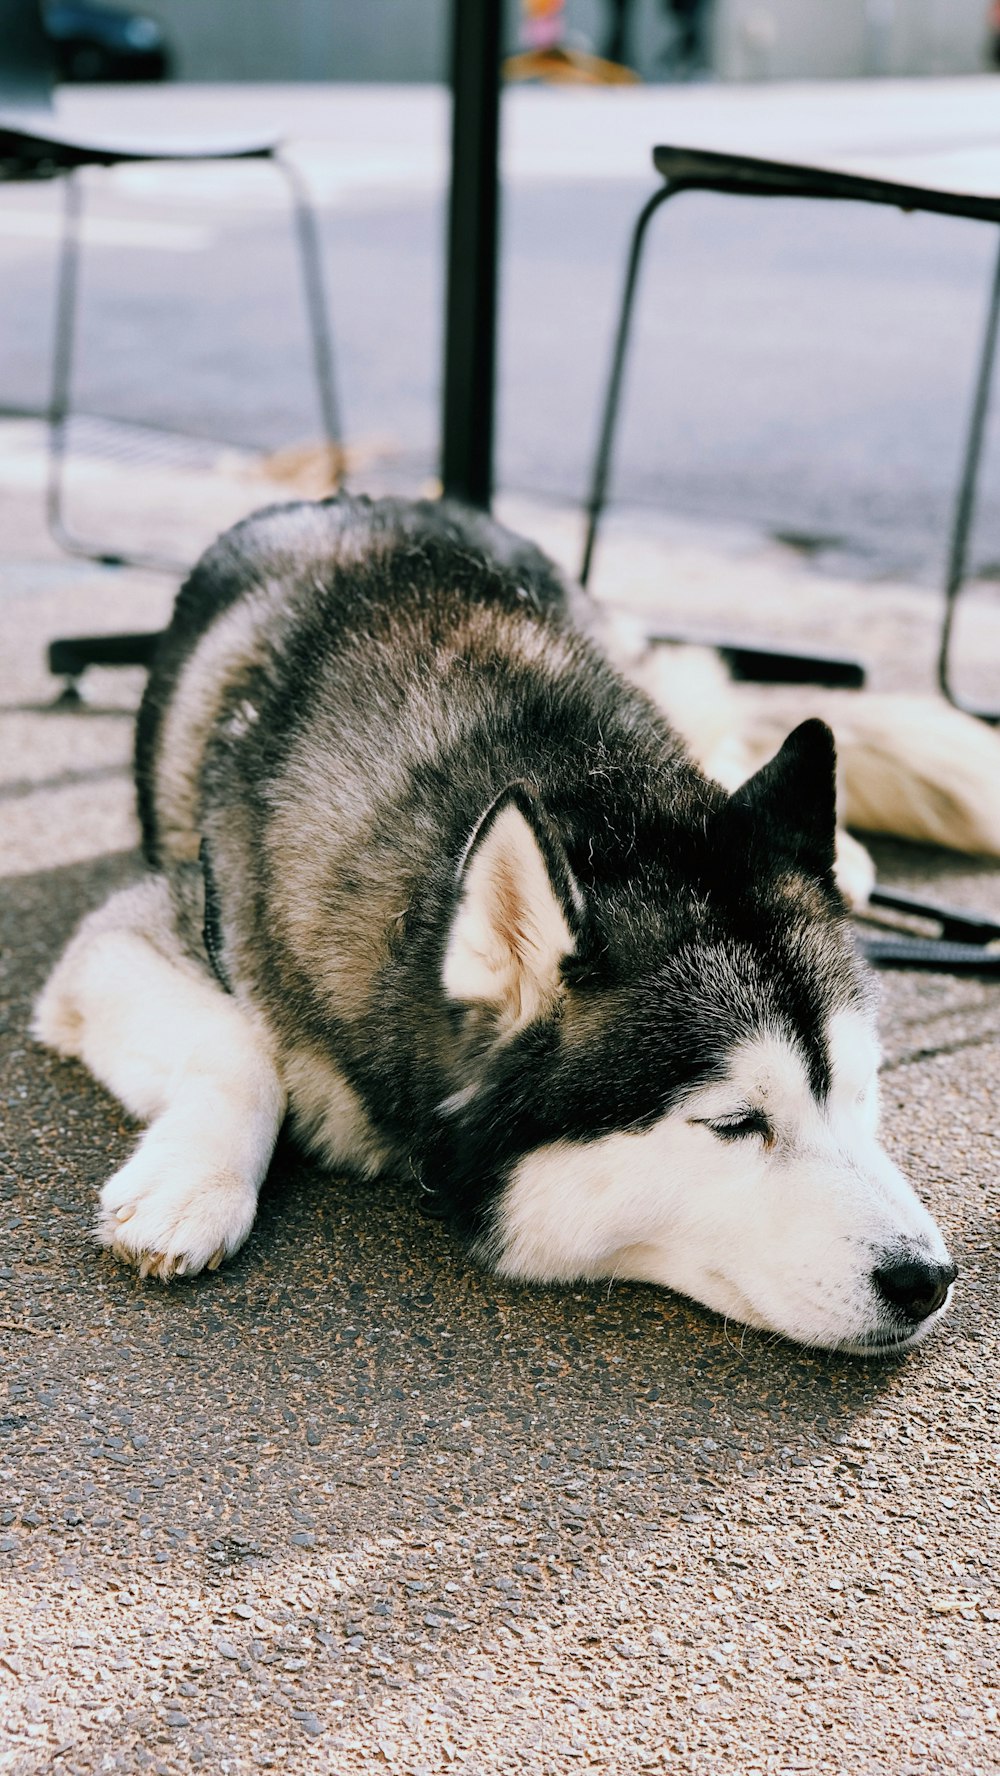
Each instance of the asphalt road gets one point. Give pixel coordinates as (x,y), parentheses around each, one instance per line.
(351,1505)
(805,369)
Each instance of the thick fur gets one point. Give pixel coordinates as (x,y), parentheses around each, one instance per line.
(483,920)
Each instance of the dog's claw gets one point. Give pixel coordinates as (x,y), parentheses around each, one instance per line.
(167,1227)
(153,1264)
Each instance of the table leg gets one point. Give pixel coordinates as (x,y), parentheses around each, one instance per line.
(470,325)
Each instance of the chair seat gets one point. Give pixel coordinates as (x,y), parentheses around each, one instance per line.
(936,179)
(30,136)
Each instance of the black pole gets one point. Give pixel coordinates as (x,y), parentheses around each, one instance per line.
(471,302)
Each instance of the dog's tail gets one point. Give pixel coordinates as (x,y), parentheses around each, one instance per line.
(909,766)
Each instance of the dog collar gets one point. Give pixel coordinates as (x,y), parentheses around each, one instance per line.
(211,930)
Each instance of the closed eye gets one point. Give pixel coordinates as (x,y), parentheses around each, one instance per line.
(740,1126)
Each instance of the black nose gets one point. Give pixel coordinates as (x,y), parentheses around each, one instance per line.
(917,1289)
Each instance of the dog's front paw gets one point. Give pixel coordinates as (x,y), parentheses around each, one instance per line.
(169,1215)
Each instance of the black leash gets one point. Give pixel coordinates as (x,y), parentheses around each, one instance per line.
(211,930)
(965,944)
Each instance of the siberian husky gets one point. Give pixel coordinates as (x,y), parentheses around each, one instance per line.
(430,876)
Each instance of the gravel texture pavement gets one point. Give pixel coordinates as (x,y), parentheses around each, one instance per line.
(350,1505)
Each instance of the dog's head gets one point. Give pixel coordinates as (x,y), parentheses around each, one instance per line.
(667,1062)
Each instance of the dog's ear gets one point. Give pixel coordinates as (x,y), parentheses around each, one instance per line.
(792,800)
(516,918)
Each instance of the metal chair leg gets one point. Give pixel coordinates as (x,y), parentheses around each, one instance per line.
(609,419)
(965,502)
(61,396)
(765,664)
(70,658)
(317,309)
(67,285)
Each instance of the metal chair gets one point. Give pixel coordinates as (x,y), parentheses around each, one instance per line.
(695,169)
(35,144)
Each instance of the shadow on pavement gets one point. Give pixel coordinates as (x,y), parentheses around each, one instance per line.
(351,1408)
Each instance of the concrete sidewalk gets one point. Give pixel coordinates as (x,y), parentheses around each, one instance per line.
(350,1505)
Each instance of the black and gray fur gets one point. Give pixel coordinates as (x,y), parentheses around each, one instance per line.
(427,874)
(405,667)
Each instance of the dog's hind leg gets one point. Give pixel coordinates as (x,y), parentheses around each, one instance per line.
(178,1052)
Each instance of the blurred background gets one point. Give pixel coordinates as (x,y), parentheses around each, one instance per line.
(800,370)
(406,40)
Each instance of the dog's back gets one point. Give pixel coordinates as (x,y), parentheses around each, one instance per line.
(343,691)
(305,559)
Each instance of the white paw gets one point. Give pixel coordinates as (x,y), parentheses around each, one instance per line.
(169,1214)
(56,1021)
